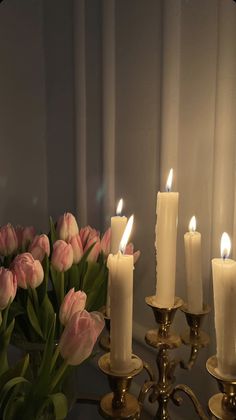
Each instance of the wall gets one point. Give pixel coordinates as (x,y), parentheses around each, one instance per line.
(36,111)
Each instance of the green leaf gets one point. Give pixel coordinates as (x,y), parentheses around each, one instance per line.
(73,278)
(18,370)
(13,408)
(46,313)
(95,286)
(43,287)
(44,371)
(9,386)
(5,337)
(60,405)
(56,282)
(33,318)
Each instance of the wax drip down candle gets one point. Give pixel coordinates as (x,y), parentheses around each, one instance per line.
(193,264)
(224,286)
(165,244)
(121,294)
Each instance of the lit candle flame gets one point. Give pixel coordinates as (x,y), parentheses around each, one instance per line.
(126,234)
(225,245)
(119,207)
(169,180)
(192,224)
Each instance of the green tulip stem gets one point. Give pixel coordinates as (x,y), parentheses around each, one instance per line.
(35,300)
(62,287)
(54,358)
(57,377)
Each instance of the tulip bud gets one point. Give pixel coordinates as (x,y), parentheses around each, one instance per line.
(24,235)
(73,302)
(39,247)
(87,233)
(8,286)
(8,240)
(28,235)
(67,227)
(79,336)
(95,251)
(76,244)
(106,242)
(28,271)
(129,250)
(62,256)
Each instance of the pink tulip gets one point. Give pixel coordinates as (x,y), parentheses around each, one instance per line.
(129,250)
(87,233)
(95,251)
(106,242)
(39,247)
(28,271)
(28,235)
(77,247)
(67,227)
(79,336)
(8,286)
(62,256)
(24,235)
(8,240)
(73,302)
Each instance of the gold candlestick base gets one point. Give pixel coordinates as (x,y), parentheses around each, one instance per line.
(119,404)
(163,390)
(222,405)
(164,317)
(194,336)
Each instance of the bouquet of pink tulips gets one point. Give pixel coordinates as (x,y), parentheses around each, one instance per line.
(46,267)
(50,289)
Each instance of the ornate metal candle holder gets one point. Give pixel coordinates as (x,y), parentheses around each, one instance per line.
(119,404)
(222,405)
(164,340)
(194,336)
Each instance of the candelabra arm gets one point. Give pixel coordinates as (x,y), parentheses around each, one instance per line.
(178,400)
(192,359)
(149,371)
(146,388)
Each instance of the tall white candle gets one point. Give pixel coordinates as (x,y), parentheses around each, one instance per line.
(121,294)
(224,285)
(166,234)
(118,224)
(193,264)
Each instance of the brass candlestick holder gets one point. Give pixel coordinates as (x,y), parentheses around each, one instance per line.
(164,340)
(119,404)
(194,336)
(222,405)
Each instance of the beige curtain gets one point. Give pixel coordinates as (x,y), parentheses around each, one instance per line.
(168,99)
